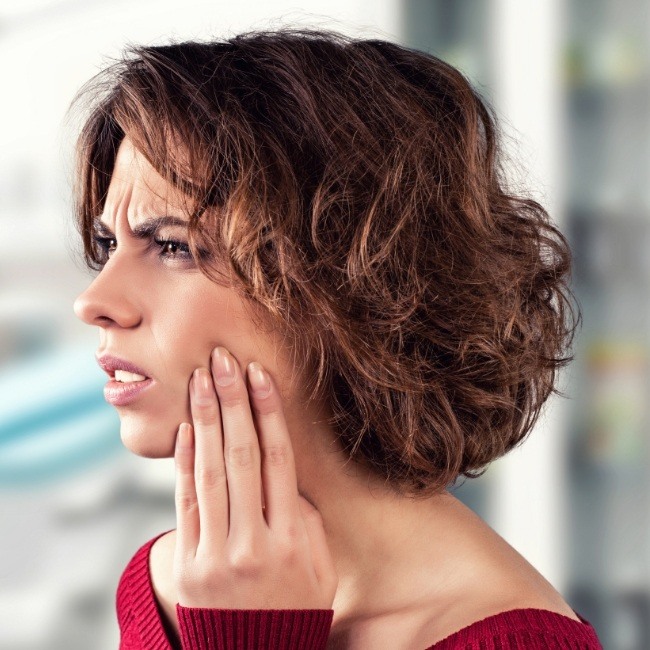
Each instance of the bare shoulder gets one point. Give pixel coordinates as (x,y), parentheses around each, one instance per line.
(161,558)
(517,584)
(509,580)
(164,545)
(502,580)
(435,630)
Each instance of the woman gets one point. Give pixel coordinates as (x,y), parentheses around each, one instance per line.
(333,212)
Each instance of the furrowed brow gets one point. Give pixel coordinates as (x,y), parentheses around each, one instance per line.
(100,228)
(143,230)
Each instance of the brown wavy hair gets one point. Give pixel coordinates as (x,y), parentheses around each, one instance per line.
(353,192)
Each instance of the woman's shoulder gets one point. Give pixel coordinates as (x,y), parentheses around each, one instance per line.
(513,604)
(136,570)
(530,627)
(136,608)
(496,592)
(161,558)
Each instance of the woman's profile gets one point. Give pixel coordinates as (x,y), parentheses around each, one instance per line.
(317,294)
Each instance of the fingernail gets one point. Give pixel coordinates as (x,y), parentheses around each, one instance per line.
(184,437)
(259,380)
(224,366)
(203,389)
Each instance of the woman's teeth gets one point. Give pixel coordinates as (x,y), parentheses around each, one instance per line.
(124,376)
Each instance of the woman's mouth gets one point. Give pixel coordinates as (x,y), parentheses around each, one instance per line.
(126,381)
(125,388)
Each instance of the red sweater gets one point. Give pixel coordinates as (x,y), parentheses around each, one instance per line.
(142,628)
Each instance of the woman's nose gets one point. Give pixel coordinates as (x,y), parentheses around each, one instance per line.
(106,300)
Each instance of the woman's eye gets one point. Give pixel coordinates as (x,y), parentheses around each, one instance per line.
(106,245)
(173,249)
(168,248)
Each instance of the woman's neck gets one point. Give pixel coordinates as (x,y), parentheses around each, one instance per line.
(378,540)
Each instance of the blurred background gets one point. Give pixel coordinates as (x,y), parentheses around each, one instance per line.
(570,81)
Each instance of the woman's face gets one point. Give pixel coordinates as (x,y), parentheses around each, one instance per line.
(155,309)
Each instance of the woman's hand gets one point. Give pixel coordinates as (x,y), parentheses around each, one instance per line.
(230,552)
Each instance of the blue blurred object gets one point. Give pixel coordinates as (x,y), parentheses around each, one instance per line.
(54,419)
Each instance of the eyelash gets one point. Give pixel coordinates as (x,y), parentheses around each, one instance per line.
(104,246)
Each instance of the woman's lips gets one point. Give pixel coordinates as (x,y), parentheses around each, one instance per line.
(110,364)
(120,393)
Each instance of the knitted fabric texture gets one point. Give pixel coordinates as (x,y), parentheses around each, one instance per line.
(142,627)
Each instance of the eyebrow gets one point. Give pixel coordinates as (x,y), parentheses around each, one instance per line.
(143,230)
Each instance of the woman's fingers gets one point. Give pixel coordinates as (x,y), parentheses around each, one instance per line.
(209,467)
(240,447)
(187,512)
(279,479)
(226,555)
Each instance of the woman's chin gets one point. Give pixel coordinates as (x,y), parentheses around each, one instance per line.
(147,440)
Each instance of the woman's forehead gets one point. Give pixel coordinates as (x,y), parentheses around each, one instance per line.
(134,170)
(137,189)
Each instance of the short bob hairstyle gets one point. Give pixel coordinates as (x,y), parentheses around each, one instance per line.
(353,192)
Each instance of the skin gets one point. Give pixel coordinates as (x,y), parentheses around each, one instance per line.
(398,572)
